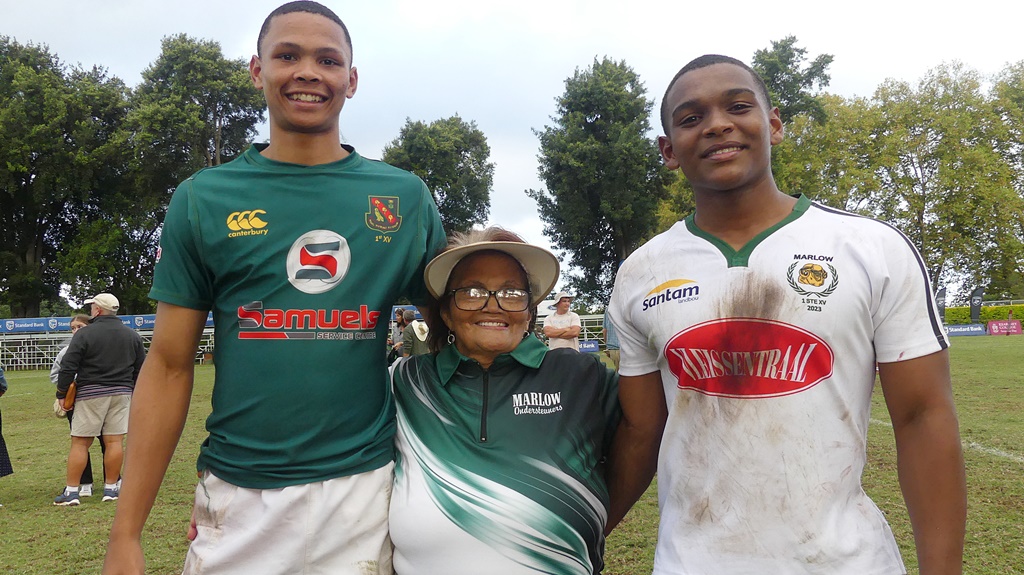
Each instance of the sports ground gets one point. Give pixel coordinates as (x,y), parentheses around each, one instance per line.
(40,539)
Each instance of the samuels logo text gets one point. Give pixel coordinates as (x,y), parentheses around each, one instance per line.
(748,358)
(254,322)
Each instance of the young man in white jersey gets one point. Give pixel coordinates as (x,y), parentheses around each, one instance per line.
(296,474)
(751,331)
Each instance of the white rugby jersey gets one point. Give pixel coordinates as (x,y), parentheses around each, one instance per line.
(768,360)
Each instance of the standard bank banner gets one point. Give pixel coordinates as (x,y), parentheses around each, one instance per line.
(59,324)
(967,329)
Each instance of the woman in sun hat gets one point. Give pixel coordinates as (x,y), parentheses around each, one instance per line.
(501,442)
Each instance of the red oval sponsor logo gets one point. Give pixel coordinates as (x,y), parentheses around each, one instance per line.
(748,358)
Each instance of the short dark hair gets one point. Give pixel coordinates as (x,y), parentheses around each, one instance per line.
(437,337)
(703,62)
(301,6)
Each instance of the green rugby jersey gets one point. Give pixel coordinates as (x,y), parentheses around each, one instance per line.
(500,471)
(300,266)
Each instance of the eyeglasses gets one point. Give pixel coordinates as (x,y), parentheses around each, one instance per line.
(475,298)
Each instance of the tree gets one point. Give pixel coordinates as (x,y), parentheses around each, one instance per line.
(790,83)
(604,176)
(831,162)
(677,204)
(1007,276)
(941,177)
(59,160)
(193,109)
(451,157)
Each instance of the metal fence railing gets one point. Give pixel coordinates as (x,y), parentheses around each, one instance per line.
(22,351)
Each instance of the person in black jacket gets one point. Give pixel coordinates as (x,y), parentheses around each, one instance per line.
(105,360)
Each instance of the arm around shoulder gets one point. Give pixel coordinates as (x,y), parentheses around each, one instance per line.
(919,397)
(159,408)
(633,460)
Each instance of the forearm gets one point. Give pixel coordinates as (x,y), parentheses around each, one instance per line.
(64,380)
(632,463)
(159,408)
(931,472)
(633,457)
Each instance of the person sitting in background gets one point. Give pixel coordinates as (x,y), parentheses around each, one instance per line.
(77,322)
(501,442)
(414,338)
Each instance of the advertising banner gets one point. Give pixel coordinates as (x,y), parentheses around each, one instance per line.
(1004,327)
(976,296)
(63,324)
(970,329)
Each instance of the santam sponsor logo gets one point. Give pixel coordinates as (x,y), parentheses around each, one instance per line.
(677,290)
(748,358)
(254,322)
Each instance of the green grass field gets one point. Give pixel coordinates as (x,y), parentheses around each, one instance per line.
(40,539)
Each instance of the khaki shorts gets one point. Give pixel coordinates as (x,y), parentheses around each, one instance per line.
(101,416)
(338,526)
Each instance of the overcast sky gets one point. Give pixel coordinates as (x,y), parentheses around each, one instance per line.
(502,64)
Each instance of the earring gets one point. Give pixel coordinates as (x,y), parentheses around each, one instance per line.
(526,334)
(451,337)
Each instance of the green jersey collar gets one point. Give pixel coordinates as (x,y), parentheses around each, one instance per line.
(740,258)
(253,156)
(529,353)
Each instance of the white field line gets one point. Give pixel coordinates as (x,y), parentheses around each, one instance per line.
(972,445)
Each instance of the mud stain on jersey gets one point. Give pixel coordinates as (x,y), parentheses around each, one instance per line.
(757,297)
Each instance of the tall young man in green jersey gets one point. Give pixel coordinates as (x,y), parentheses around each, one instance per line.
(299,248)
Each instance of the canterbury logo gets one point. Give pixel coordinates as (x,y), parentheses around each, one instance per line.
(247,220)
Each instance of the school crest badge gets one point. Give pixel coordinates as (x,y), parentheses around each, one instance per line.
(383,215)
(814,281)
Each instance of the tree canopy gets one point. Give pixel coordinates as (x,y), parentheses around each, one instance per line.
(452,157)
(792,85)
(603,174)
(89,164)
(61,158)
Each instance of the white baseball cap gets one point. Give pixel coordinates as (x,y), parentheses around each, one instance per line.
(105,301)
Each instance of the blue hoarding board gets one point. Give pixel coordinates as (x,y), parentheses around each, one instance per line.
(62,324)
(969,329)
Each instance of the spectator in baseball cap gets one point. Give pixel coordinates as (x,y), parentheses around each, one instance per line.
(105,301)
